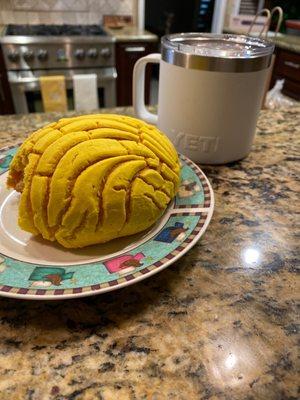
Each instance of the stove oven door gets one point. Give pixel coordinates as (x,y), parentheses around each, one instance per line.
(26,92)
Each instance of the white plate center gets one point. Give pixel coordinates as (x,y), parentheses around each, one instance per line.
(23,246)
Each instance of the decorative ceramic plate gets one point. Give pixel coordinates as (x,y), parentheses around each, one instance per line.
(33,268)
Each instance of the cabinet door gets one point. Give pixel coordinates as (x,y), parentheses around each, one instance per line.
(287,67)
(126,56)
(6,104)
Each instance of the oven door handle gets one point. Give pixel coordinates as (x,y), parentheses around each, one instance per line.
(34,80)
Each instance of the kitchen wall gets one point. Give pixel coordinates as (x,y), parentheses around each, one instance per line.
(62,11)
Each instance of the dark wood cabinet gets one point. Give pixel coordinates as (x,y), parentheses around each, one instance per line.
(127,53)
(6,104)
(287,67)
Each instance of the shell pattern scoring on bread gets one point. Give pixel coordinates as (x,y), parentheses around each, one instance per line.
(93,178)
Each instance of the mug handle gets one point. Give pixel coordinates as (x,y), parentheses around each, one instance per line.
(138,88)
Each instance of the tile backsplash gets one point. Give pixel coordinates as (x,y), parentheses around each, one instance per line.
(62,11)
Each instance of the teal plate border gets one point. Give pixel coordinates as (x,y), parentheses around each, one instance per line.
(186,222)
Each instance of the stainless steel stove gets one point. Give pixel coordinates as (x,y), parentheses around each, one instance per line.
(31,51)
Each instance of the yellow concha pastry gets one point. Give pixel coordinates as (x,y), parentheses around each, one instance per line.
(90,179)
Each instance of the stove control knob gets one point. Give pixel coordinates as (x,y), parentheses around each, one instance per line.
(105,52)
(13,56)
(42,54)
(79,54)
(92,53)
(28,55)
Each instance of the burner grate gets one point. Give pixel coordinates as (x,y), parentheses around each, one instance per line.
(55,30)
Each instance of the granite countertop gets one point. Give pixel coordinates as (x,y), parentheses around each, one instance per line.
(284,41)
(220,323)
(132,34)
(287,42)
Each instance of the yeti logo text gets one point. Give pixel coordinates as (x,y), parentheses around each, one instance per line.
(205,144)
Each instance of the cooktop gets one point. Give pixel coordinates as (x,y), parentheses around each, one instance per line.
(55,30)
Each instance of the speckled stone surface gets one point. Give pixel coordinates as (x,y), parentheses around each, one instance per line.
(131,34)
(288,42)
(282,40)
(221,323)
